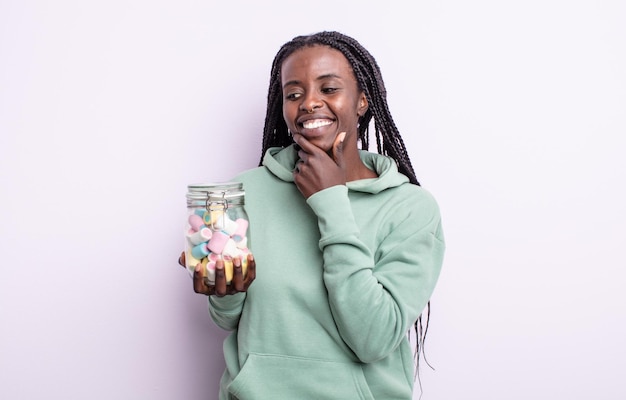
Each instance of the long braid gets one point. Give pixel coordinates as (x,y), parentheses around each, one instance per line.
(369,78)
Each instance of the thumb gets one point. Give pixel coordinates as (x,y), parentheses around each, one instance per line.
(338,149)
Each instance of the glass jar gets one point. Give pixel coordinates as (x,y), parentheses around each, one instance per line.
(216,228)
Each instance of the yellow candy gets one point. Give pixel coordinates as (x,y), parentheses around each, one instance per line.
(244,265)
(191,261)
(228,268)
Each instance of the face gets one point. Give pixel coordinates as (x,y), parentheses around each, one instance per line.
(321,97)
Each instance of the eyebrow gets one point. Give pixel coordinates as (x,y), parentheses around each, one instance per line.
(319,78)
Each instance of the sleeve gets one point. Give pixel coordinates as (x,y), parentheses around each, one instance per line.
(375,295)
(225,311)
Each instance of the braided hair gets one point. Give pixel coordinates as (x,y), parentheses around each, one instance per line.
(370,81)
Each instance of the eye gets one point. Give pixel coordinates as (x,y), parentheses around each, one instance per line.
(329,90)
(292,96)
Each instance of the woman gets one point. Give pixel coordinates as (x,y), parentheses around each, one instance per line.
(347,246)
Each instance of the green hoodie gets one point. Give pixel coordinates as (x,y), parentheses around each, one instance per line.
(341,278)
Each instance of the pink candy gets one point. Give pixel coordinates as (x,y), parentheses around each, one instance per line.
(218,242)
(214,235)
(195,222)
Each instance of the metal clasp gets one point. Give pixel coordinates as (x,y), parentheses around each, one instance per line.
(214,209)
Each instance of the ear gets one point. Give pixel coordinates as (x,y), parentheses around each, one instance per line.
(363,105)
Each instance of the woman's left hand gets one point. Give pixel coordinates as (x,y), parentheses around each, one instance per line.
(316,170)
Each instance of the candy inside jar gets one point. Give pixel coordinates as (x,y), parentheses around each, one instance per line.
(217,228)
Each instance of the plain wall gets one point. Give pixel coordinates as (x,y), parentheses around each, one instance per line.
(514,114)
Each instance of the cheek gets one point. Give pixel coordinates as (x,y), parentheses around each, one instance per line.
(349,113)
(289,113)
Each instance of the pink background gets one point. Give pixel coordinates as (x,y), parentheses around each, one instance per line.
(514,115)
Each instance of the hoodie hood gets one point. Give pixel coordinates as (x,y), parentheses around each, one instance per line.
(282,161)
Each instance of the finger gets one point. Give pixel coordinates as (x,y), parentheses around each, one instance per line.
(198,279)
(303,156)
(305,145)
(296,169)
(220,278)
(251,272)
(237,282)
(338,149)
(181,260)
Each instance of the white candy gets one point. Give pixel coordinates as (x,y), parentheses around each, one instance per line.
(230,249)
(227,225)
(203,235)
(243,243)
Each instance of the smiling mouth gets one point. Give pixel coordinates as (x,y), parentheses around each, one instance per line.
(316,123)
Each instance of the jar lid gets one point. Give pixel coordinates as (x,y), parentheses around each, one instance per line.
(199,193)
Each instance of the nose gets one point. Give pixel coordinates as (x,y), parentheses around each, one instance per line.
(310,102)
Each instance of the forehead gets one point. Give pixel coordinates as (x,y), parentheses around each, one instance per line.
(317,61)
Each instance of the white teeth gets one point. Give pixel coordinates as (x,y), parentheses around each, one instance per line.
(316,123)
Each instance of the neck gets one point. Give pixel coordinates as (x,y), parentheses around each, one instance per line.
(356,169)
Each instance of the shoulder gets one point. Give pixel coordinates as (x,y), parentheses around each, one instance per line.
(412,208)
(414,196)
(259,180)
(252,175)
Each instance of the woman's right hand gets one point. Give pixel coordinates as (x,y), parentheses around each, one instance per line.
(221,288)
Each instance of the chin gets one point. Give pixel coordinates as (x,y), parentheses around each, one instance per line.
(325,145)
